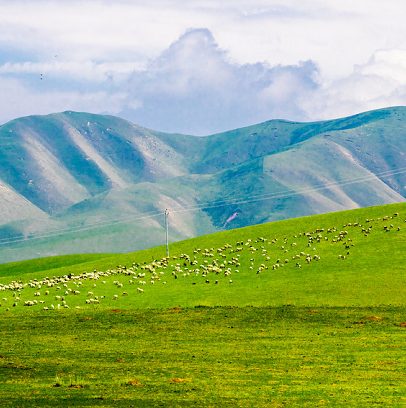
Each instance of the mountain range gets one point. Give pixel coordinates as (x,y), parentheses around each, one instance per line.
(78,182)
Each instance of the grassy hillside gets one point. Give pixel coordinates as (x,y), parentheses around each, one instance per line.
(337,259)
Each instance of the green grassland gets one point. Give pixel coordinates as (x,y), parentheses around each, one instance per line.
(300,312)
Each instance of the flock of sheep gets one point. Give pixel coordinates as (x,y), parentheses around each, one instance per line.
(203,266)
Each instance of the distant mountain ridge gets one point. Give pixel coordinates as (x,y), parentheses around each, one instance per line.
(85,174)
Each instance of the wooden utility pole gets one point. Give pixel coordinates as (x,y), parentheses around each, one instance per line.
(166,233)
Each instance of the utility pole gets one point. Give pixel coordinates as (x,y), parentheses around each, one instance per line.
(166,233)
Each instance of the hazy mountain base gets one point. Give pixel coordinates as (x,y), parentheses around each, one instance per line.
(77,182)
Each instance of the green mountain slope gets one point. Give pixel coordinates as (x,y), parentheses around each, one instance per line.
(77,182)
(353,257)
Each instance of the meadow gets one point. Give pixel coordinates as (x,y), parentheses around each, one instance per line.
(301,312)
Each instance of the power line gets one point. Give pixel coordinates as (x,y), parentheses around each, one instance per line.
(63,231)
(207,205)
(166,233)
(290,192)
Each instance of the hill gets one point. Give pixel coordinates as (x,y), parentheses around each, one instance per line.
(346,258)
(74,182)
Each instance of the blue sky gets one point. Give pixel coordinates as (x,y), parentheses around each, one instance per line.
(201,67)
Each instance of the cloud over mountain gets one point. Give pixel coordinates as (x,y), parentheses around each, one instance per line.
(378,83)
(196,86)
(193,87)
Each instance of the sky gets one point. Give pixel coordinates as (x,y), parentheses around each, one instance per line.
(202,66)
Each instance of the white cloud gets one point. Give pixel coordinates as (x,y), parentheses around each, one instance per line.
(379,83)
(17,97)
(74,70)
(293,59)
(337,34)
(387,64)
(194,88)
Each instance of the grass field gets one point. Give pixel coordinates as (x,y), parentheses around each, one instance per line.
(302,312)
(224,357)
